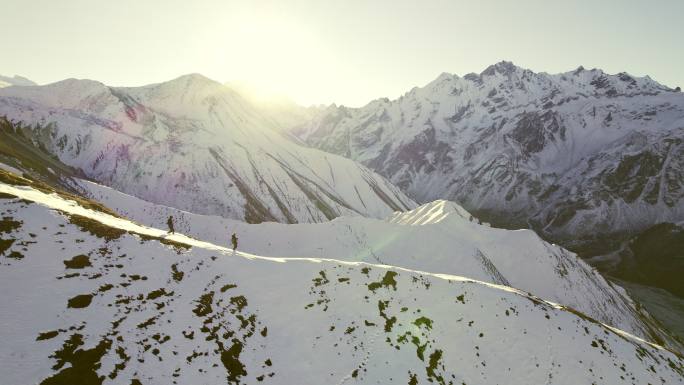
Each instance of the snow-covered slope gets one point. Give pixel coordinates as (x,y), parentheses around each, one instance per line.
(576,153)
(438,237)
(16,80)
(195,144)
(89,298)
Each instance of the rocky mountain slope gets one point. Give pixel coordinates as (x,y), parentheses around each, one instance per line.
(654,257)
(97,299)
(438,237)
(575,154)
(194,144)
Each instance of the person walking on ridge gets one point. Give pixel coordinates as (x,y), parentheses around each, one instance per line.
(169,222)
(234,240)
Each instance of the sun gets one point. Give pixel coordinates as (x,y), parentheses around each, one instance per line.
(273,56)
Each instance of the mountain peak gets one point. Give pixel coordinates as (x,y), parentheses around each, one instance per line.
(503,67)
(429,213)
(444,76)
(193,76)
(178,94)
(578,70)
(196,79)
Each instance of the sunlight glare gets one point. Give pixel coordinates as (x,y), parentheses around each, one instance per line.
(273,58)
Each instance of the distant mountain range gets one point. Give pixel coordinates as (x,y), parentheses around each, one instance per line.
(339,275)
(197,145)
(574,154)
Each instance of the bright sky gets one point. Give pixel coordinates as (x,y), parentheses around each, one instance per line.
(348,52)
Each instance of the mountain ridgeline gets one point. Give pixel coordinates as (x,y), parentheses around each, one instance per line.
(339,275)
(113,302)
(573,154)
(194,144)
(436,237)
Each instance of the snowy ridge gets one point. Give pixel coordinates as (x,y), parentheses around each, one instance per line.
(438,237)
(197,145)
(108,306)
(430,213)
(576,153)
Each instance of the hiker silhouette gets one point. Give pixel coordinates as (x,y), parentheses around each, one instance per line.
(169,222)
(234,240)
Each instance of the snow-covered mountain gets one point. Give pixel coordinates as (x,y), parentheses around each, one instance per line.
(92,298)
(194,144)
(576,153)
(16,80)
(438,237)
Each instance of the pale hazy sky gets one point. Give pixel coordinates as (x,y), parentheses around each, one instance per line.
(347,52)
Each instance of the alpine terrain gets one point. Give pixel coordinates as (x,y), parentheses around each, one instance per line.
(194,144)
(117,206)
(89,297)
(219,194)
(574,155)
(438,237)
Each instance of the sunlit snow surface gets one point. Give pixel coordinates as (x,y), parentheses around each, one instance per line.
(164,314)
(438,237)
